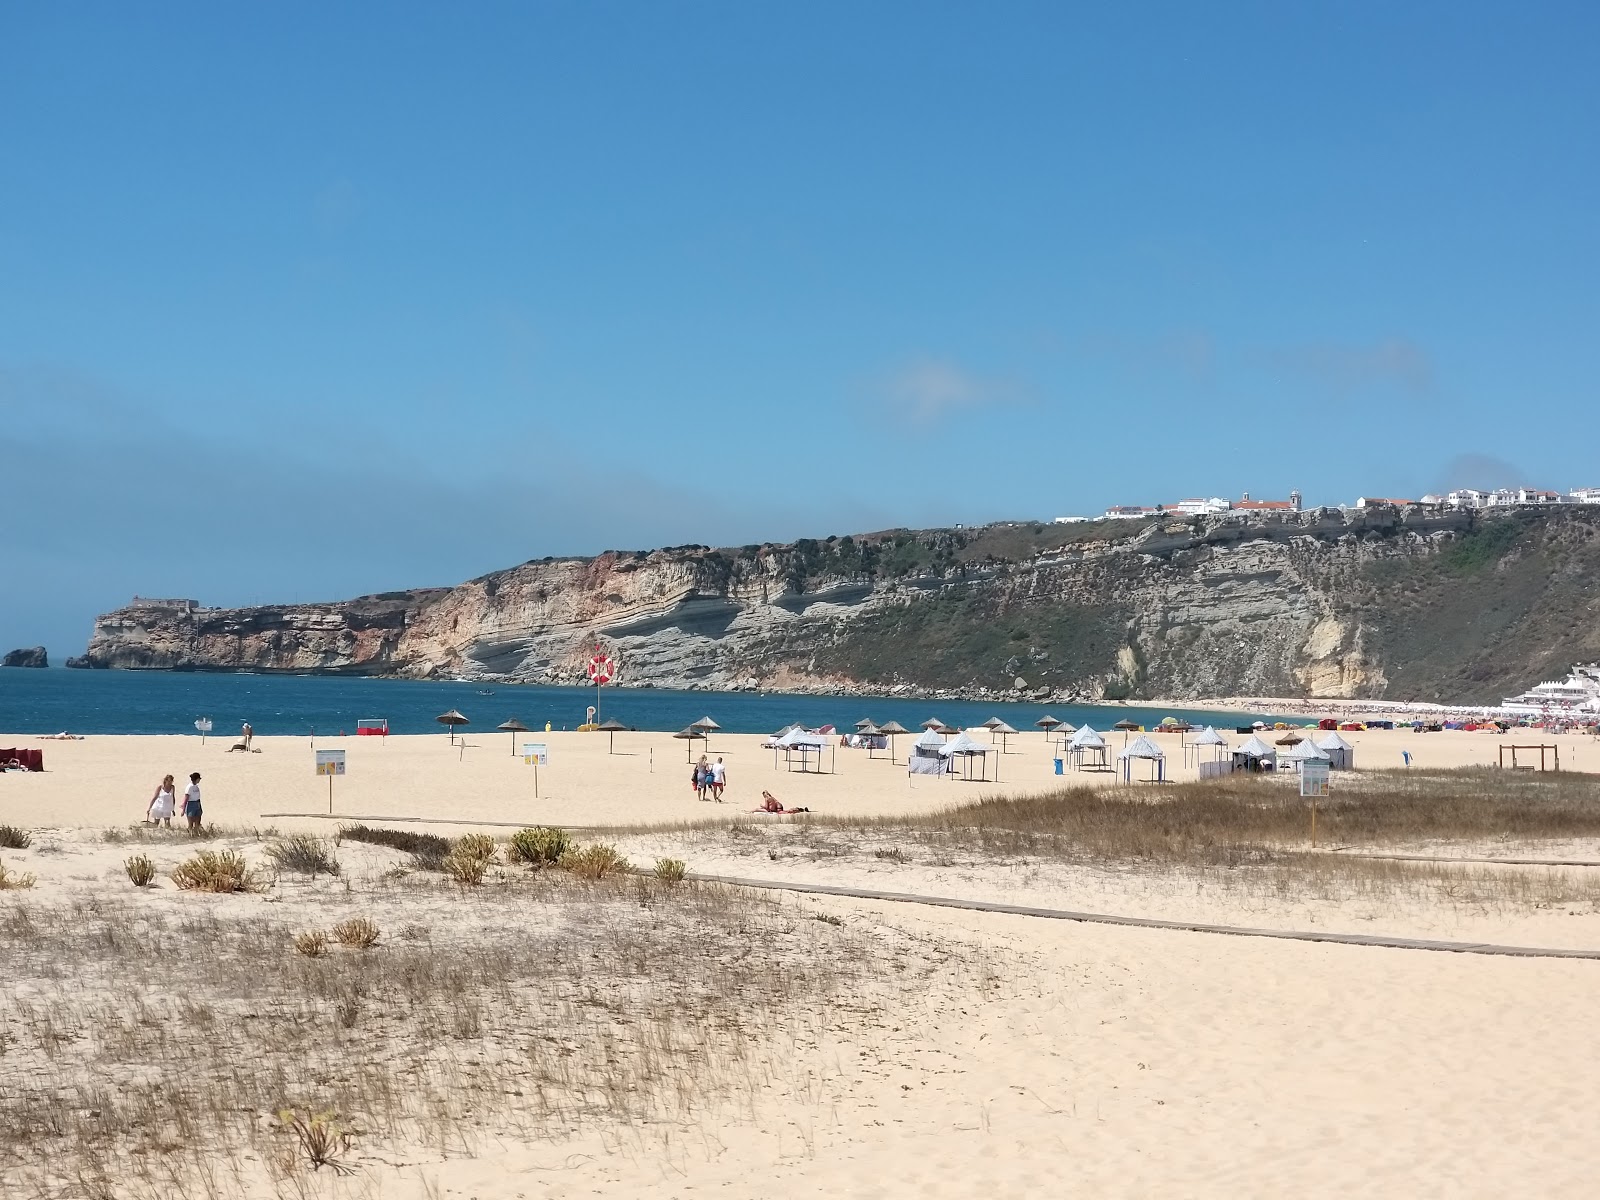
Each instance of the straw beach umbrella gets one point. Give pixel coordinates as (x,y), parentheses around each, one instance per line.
(1002,731)
(862,724)
(933,723)
(705,725)
(992,722)
(1048,724)
(890,729)
(690,735)
(513,727)
(452,719)
(611,726)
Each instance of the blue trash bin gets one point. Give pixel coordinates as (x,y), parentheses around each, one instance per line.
(1059,768)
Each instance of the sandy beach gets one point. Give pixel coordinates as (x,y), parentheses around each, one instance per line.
(972,1053)
(108,780)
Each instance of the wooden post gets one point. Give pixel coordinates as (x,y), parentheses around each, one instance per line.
(1313,823)
(330,795)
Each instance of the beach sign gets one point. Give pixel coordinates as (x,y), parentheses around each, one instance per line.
(536,755)
(330,763)
(1314,778)
(203,724)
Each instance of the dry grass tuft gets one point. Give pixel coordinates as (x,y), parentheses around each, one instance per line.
(538,846)
(428,850)
(594,862)
(358,932)
(671,870)
(15,882)
(302,854)
(140,870)
(12,838)
(215,871)
(313,943)
(323,1141)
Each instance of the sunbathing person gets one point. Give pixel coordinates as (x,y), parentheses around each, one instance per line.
(771,804)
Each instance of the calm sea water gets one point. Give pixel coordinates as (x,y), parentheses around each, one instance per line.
(50,701)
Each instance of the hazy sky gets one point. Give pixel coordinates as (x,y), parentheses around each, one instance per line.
(299,301)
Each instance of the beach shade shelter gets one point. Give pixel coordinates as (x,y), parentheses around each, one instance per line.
(932,723)
(705,725)
(691,735)
(1048,725)
(1341,754)
(611,727)
(949,731)
(870,730)
(1290,739)
(802,745)
(890,730)
(865,722)
(1301,753)
(1208,739)
(964,749)
(513,727)
(1142,748)
(1087,749)
(452,719)
(992,722)
(1254,755)
(1002,731)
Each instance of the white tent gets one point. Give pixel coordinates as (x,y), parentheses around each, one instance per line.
(966,749)
(799,744)
(1304,751)
(1254,755)
(1207,739)
(1087,750)
(1143,747)
(1341,754)
(925,758)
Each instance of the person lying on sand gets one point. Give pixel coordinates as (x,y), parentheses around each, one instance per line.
(771,804)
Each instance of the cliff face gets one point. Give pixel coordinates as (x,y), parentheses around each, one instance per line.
(1317,603)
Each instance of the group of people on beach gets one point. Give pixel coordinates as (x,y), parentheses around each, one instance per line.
(164,804)
(708,779)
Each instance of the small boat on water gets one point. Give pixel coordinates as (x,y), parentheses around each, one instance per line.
(485,692)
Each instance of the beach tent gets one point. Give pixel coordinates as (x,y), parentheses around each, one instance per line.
(1143,748)
(1087,749)
(963,747)
(802,745)
(925,758)
(1305,751)
(1341,754)
(1208,739)
(1254,755)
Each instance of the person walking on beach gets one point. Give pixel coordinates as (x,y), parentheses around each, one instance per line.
(702,777)
(164,804)
(719,779)
(247,733)
(191,802)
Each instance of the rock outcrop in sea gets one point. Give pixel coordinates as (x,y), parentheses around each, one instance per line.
(1404,604)
(31,656)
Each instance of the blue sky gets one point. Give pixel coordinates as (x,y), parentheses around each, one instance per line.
(301,301)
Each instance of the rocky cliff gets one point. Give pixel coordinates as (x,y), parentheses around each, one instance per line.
(32,656)
(1398,604)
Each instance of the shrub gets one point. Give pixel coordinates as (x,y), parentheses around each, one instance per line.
(464,867)
(594,862)
(304,855)
(214,871)
(476,845)
(141,870)
(538,846)
(670,870)
(358,932)
(12,838)
(10,882)
(313,944)
(428,850)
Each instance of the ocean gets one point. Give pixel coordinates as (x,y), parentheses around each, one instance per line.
(153,702)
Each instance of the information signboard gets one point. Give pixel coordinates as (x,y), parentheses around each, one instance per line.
(330,762)
(536,754)
(1314,778)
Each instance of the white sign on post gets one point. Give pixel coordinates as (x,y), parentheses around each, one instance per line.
(203,724)
(330,763)
(1314,778)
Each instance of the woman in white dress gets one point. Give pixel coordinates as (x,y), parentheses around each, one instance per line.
(163,804)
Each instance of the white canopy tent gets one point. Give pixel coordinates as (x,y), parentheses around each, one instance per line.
(925,758)
(802,745)
(1341,754)
(1207,740)
(966,749)
(1254,755)
(1143,748)
(1087,750)
(1302,752)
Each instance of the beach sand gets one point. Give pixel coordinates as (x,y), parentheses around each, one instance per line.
(1050,1057)
(108,780)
